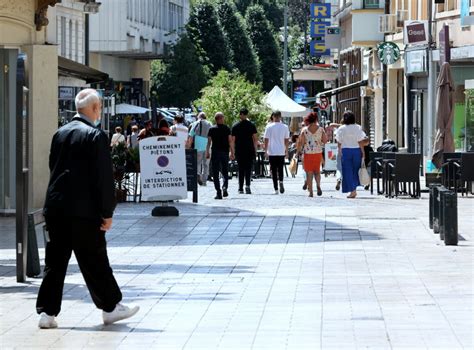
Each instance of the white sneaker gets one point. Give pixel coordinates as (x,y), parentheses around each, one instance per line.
(47,321)
(120,312)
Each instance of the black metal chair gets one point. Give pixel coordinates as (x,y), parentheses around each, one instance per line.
(374,158)
(405,172)
(382,170)
(448,169)
(464,173)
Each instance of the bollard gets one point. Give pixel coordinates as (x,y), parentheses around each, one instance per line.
(450,218)
(33,268)
(436,210)
(432,201)
(441,193)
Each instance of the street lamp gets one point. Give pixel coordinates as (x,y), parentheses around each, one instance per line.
(285,49)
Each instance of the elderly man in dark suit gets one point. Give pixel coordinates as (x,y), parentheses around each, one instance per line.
(79,206)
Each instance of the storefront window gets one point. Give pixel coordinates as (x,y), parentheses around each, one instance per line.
(469,120)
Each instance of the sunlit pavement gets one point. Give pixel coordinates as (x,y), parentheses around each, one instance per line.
(265,271)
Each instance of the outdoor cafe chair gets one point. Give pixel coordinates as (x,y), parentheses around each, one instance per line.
(382,171)
(374,157)
(464,173)
(448,169)
(405,172)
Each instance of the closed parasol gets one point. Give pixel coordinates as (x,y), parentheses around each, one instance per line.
(444,141)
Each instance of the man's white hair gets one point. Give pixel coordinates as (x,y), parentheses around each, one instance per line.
(86,98)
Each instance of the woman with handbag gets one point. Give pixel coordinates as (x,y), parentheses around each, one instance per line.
(350,138)
(312,140)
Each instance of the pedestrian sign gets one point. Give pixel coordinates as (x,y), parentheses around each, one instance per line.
(163,169)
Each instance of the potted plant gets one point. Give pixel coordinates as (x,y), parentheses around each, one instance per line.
(120,156)
(134,159)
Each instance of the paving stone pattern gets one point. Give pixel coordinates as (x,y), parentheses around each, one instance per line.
(264,271)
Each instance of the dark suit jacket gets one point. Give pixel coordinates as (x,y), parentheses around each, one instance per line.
(81,183)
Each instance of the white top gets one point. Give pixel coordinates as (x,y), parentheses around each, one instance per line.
(180,131)
(313,142)
(116,139)
(350,135)
(276,133)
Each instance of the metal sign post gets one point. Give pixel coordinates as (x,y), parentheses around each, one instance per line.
(22,161)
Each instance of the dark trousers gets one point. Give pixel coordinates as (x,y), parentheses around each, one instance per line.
(220,163)
(87,241)
(245,164)
(276,166)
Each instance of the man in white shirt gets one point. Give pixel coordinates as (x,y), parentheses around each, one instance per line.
(179,129)
(198,137)
(277,137)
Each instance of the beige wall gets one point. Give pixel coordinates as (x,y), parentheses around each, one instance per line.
(120,69)
(43,85)
(17,23)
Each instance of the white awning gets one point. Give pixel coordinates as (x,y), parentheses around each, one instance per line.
(125,108)
(277,100)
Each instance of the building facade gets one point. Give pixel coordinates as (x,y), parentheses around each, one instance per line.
(126,35)
(23,42)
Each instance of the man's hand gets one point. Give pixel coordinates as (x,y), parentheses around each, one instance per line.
(208,155)
(106,224)
(232,157)
(287,156)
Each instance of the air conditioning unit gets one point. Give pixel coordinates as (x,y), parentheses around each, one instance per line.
(388,24)
(402,16)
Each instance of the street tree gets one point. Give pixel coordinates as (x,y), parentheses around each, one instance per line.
(245,58)
(228,92)
(266,46)
(207,34)
(178,81)
(273,10)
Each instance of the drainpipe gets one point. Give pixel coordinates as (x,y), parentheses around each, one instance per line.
(384,85)
(86,40)
(431,113)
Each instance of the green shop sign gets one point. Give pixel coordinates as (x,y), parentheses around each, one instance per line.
(388,52)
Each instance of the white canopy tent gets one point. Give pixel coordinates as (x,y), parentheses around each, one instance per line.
(277,100)
(125,108)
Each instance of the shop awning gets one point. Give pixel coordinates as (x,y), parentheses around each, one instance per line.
(314,74)
(74,69)
(342,88)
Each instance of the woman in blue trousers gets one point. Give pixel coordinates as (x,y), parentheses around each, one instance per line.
(350,137)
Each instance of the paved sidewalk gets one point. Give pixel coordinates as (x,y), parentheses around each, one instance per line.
(265,271)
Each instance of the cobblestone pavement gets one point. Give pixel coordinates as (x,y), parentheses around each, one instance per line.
(265,271)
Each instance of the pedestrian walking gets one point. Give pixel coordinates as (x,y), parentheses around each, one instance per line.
(163,128)
(132,139)
(117,137)
(79,206)
(350,138)
(276,137)
(312,141)
(179,129)
(147,131)
(335,127)
(220,142)
(244,135)
(198,138)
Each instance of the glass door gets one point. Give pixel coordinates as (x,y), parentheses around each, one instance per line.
(416,137)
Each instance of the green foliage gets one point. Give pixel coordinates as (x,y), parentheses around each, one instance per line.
(207,34)
(273,10)
(245,58)
(179,81)
(265,44)
(228,93)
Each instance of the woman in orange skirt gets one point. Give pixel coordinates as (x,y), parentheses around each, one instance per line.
(312,141)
